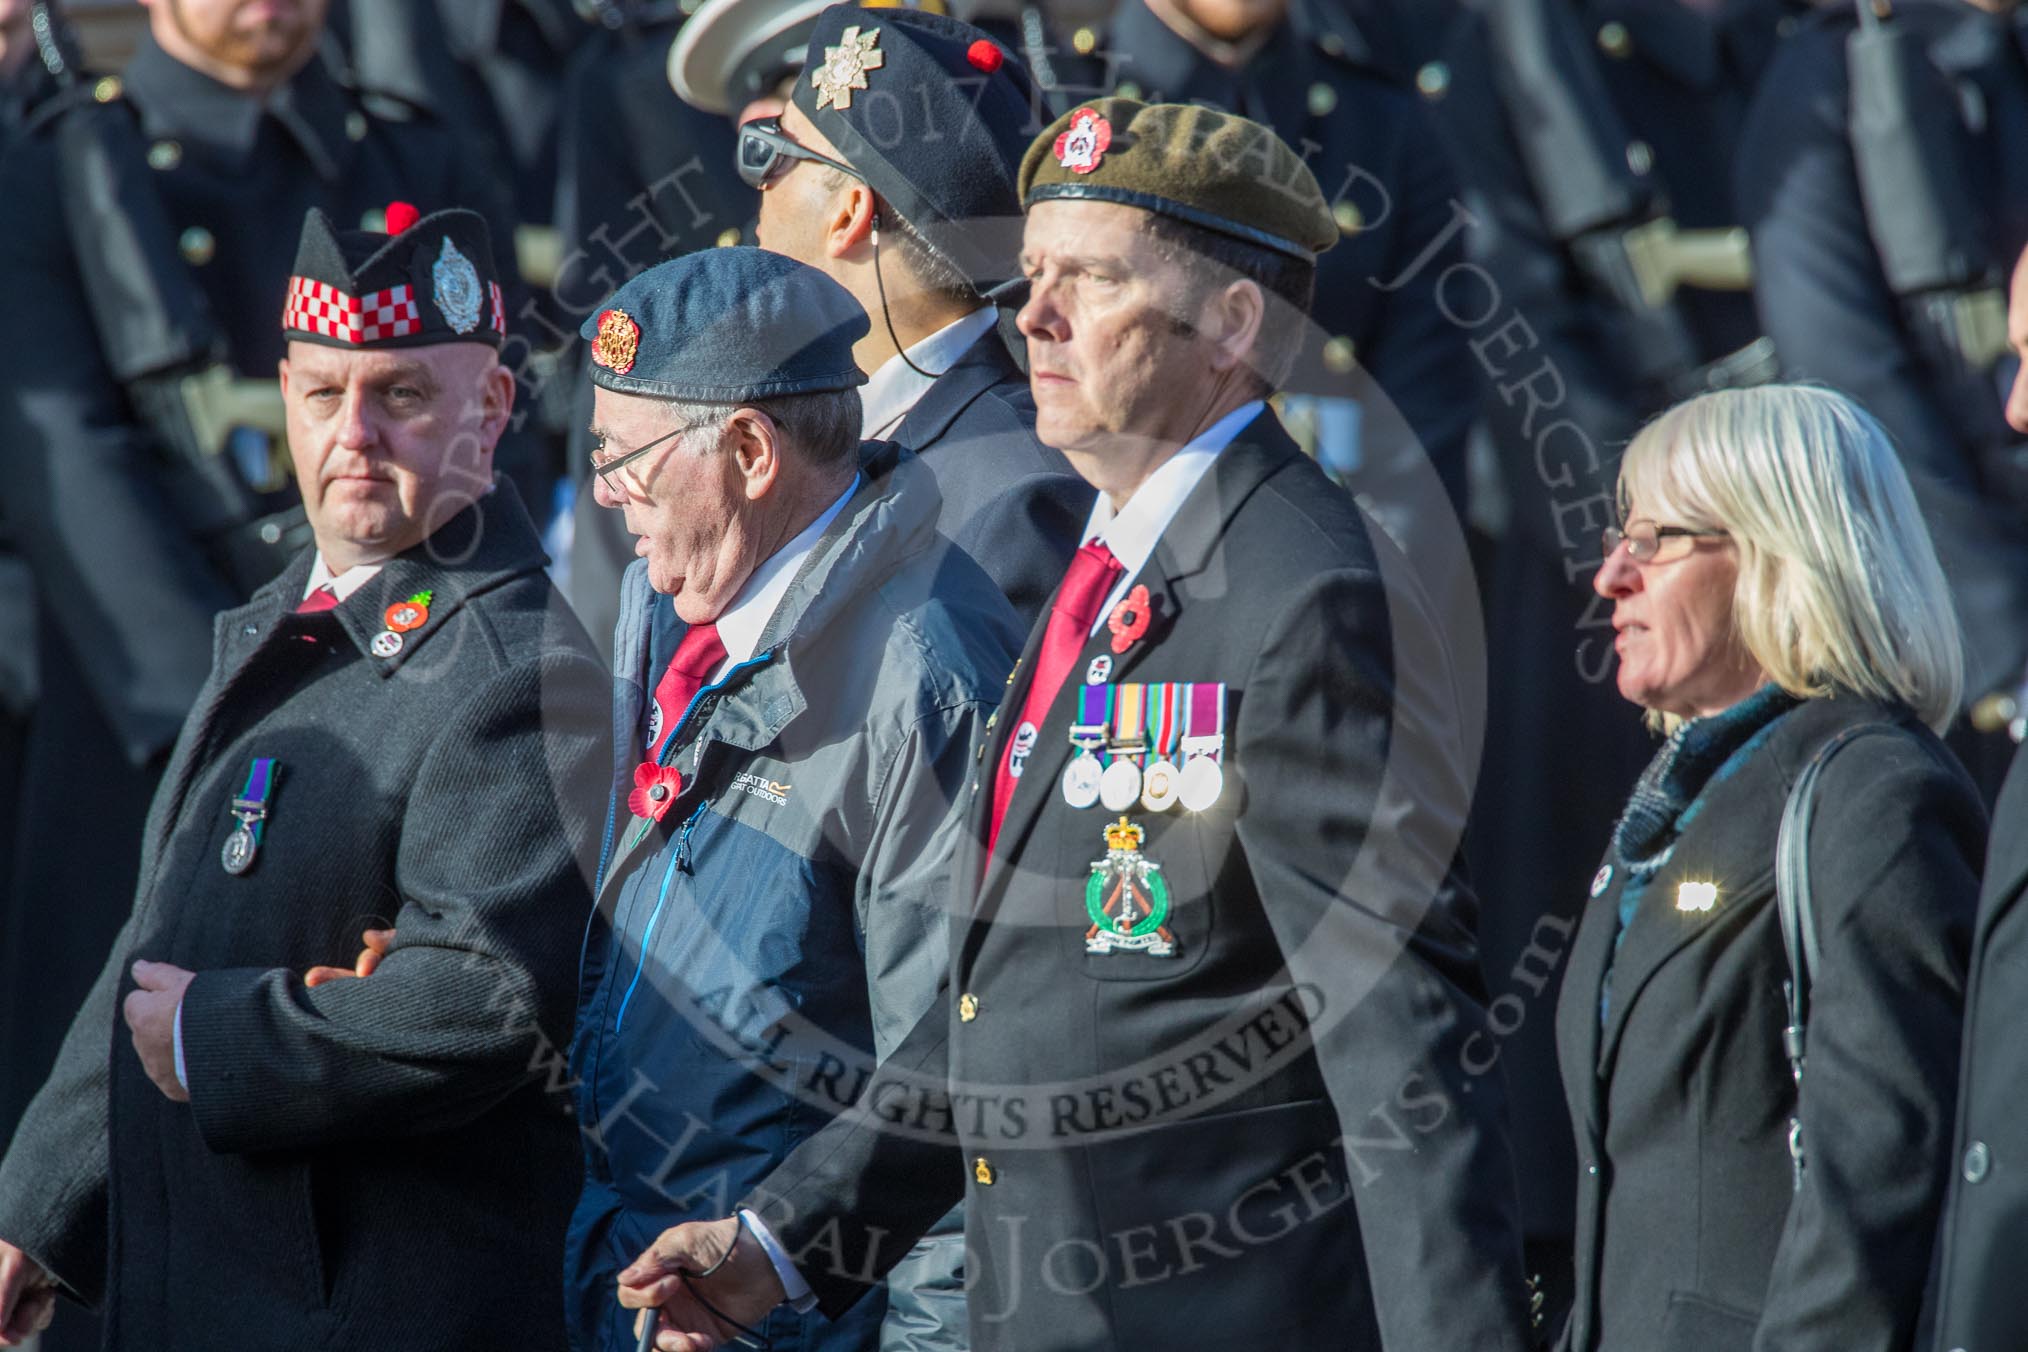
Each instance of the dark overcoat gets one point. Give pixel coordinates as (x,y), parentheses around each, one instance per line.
(92,501)
(1690,1234)
(370,1163)
(1978,1298)
(1149,1147)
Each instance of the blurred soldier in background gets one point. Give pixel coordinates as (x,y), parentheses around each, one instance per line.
(1885,176)
(25,81)
(144,255)
(492,70)
(1608,279)
(1383,388)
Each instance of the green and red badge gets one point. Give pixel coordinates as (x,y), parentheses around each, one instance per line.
(413,613)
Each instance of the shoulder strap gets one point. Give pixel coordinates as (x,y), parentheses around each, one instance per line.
(1795,904)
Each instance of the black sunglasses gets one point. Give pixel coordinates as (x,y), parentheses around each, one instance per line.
(764,151)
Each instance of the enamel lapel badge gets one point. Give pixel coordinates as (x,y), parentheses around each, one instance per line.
(1695,898)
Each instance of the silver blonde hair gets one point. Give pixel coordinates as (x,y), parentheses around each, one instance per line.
(1839,587)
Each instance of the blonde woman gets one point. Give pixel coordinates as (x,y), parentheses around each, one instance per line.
(1772,584)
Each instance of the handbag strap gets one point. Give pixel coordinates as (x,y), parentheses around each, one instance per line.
(1795,905)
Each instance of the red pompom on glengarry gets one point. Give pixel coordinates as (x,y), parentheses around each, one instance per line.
(985,55)
(400,216)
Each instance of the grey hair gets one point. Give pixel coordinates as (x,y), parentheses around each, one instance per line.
(1839,587)
(822,428)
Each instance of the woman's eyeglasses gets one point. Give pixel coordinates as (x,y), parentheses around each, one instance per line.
(1644,540)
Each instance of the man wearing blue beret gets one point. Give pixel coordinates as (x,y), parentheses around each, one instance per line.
(892,170)
(804,671)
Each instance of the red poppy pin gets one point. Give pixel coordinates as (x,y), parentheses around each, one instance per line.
(1129,619)
(655,790)
(1082,147)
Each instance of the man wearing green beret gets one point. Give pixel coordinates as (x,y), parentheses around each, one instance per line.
(1213,1067)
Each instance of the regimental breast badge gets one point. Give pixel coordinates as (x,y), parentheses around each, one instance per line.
(1080,148)
(454,284)
(845,67)
(1127,898)
(618,341)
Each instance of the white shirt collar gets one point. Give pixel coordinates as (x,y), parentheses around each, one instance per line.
(892,391)
(1131,532)
(343,584)
(746,619)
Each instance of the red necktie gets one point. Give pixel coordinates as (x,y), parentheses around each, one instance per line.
(319,601)
(1093,574)
(697,656)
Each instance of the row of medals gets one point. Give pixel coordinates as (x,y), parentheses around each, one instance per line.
(1123,783)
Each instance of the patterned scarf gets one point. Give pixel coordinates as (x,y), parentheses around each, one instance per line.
(1698,754)
(1671,791)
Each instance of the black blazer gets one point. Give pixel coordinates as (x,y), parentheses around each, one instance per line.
(345,1148)
(1690,1237)
(1149,1148)
(1010,502)
(1980,1305)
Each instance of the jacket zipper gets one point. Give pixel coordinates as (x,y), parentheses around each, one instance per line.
(597,1049)
(613,810)
(680,863)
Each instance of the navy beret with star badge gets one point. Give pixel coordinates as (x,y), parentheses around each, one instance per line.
(727,326)
(427,279)
(934,115)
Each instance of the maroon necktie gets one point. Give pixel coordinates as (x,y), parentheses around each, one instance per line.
(697,656)
(1094,572)
(319,601)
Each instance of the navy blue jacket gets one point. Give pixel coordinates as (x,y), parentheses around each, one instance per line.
(752,952)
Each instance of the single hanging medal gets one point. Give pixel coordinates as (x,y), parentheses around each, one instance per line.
(251,808)
(1081,777)
(1203,747)
(1161,784)
(1120,788)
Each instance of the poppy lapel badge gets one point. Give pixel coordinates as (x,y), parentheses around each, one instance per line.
(1129,620)
(1084,143)
(655,790)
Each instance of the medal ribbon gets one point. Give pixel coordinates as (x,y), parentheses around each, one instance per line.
(1207,714)
(251,807)
(1162,718)
(1093,710)
(1130,728)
